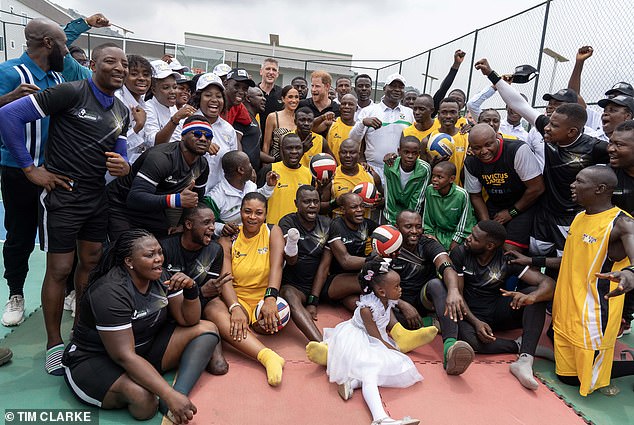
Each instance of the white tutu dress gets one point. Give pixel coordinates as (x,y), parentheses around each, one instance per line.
(354,354)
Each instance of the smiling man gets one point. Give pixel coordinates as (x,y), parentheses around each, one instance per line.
(171,175)
(381,124)
(86,140)
(237,84)
(567,150)
(509,173)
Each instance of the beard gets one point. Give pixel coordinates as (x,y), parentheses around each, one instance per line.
(56,59)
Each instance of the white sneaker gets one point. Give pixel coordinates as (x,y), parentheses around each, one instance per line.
(70,302)
(13,311)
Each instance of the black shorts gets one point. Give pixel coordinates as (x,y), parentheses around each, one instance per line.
(66,217)
(118,223)
(518,230)
(549,233)
(304,289)
(90,375)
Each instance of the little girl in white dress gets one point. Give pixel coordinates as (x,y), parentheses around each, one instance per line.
(360,352)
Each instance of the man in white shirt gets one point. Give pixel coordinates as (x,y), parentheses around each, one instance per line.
(382,123)
(225,198)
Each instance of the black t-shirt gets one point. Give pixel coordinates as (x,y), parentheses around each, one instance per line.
(333,107)
(251,136)
(164,167)
(357,242)
(414,276)
(310,246)
(482,283)
(499,178)
(623,196)
(201,265)
(273,103)
(113,303)
(562,163)
(80,131)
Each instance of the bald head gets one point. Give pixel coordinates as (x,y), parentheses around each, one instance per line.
(481,131)
(350,144)
(37,29)
(601,175)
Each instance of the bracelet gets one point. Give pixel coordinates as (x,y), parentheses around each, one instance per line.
(191,293)
(172,121)
(494,77)
(538,261)
(514,212)
(173,201)
(444,266)
(232,306)
(312,300)
(271,292)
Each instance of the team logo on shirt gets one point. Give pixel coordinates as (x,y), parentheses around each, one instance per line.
(280,185)
(402,116)
(263,250)
(495,179)
(586,238)
(239,254)
(170,180)
(86,115)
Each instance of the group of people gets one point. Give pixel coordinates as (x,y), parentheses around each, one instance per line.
(185,212)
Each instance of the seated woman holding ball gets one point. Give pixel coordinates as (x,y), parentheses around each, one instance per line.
(255,259)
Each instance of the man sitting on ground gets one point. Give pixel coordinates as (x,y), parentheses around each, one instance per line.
(484,269)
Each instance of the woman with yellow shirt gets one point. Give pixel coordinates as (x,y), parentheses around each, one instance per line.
(254,259)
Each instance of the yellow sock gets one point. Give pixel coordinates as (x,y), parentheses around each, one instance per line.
(409,340)
(273,364)
(317,352)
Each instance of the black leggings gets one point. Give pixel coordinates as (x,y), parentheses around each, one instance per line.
(530,318)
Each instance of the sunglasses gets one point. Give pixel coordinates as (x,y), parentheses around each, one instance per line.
(198,134)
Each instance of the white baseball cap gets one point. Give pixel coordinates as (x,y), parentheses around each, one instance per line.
(161,69)
(395,77)
(207,79)
(175,65)
(221,69)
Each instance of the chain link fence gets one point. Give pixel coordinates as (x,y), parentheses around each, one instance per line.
(546,36)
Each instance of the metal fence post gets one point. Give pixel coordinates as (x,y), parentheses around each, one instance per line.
(237,59)
(539,58)
(4,37)
(400,66)
(475,46)
(376,83)
(427,70)
(306,70)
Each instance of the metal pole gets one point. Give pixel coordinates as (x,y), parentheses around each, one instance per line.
(306,70)
(4,38)
(237,59)
(376,84)
(89,51)
(400,66)
(541,49)
(427,71)
(475,45)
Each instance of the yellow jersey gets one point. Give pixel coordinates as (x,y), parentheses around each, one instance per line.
(460,147)
(282,201)
(343,183)
(250,265)
(318,147)
(337,133)
(420,135)
(580,312)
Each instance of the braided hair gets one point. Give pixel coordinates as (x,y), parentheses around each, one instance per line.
(117,253)
(373,273)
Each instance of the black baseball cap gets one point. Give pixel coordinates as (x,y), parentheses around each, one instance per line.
(240,74)
(620,100)
(621,88)
(524,73)
(563,95)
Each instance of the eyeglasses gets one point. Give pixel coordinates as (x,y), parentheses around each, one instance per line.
(198,134)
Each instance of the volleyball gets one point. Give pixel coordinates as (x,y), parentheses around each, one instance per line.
(283,310)
(441,145)
(367,191)
(322,166)
(386,240)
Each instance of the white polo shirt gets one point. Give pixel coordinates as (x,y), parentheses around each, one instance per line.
(158,116)
(225,137)
(386,139)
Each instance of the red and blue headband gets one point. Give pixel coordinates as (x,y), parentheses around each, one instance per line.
(196,125)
